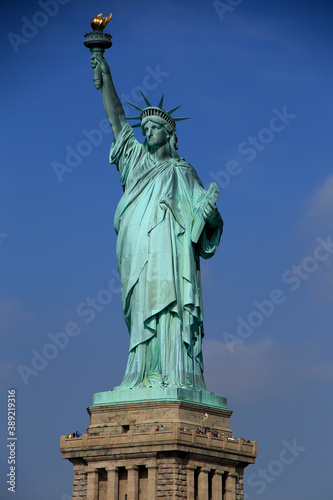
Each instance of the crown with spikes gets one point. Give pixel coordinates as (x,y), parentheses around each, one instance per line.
(155,111)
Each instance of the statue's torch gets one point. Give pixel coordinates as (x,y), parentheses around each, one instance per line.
(97,42)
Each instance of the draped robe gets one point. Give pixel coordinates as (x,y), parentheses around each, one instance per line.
(159,266)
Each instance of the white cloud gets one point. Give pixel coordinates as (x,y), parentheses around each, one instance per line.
(318,221)
(12,316)
(319,215)
(247,373)
(320,372)
(257,371)
(265,30)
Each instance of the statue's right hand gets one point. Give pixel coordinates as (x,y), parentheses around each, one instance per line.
(94,62)
(101,62)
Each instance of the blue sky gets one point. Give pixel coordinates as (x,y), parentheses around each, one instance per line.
(256,81)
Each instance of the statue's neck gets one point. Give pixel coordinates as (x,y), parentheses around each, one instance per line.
(160,154)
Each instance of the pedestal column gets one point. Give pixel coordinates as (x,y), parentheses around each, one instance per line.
(112,491)
(132,482)
(152,481)
(217,485)
(190,482)
(230,487)
(92,484)
(203,493)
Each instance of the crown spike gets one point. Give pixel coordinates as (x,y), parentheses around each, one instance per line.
(155,111)
(134,106)
(146,100)
(180,119)
(160,104)
(173,110)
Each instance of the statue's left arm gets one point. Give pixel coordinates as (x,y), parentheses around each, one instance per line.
(204,222)
(211,233)
(211,215)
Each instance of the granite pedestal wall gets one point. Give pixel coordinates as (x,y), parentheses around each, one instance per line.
(123,457)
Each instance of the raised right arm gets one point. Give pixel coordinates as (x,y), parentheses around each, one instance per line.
(112,105)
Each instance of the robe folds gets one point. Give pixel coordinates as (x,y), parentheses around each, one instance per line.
(159,266)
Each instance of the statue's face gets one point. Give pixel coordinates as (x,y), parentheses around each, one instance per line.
(156,134)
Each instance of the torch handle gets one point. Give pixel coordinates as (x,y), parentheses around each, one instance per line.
(97,52)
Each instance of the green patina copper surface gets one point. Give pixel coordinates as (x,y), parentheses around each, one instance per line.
(159,266)
(159,394)
(158,256)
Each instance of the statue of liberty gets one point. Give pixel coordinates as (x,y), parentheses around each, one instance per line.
(165,221)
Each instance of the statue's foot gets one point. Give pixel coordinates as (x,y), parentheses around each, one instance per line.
(154,380)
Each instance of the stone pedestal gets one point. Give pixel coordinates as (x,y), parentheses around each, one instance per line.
(124,457)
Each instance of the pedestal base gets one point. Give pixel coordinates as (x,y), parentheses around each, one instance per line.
(159,394)
(124,456)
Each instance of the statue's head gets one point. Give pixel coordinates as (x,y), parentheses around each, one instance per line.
(160,118)
(159,130)
(158,114)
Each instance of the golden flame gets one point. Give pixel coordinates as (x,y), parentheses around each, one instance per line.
(99,22)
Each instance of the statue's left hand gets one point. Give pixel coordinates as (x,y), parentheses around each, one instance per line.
(211,214)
